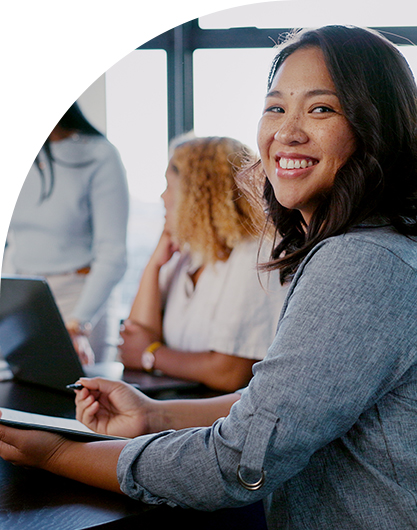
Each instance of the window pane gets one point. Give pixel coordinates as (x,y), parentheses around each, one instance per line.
(229,91)
(136,94)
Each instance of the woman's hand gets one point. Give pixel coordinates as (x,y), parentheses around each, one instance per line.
(164,250)
(79,337)
(118,409)
(113,407)
(92,463)
(134,339)
(84,350)
(30,448)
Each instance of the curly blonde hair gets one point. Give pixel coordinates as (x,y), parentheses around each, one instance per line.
(212,215)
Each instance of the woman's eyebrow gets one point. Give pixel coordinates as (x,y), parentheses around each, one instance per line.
(309,93)
(321,92)
(273,94)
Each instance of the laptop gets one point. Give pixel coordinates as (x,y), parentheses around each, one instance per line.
(38,348)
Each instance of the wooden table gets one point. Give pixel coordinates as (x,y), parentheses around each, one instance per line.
(32,499)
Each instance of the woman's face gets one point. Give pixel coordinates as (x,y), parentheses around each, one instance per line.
(303,136)
(171,194)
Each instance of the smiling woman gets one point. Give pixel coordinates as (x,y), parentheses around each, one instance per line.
(304,137)
(359,161)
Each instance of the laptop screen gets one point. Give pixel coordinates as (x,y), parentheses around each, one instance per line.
(33,338)
(38,348)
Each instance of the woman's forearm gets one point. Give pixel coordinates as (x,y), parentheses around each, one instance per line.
(84,462)
(220,371)
(93,463)
(146,308)
(183,413)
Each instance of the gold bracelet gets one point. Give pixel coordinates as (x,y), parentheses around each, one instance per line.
(148,357)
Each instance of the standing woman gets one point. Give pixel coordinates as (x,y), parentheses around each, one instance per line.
(326,432)
(69,225)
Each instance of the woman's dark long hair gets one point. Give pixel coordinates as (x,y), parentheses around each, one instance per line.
(75,121)
(378,96)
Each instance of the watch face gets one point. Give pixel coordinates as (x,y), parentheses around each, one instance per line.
(148,360)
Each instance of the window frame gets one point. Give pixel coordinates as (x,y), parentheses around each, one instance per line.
(181,42)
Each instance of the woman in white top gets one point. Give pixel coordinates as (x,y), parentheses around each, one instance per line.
(69,225)
(201,313)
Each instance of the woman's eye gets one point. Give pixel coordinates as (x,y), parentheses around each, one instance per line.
(321,109)
(275,108)
(174,168)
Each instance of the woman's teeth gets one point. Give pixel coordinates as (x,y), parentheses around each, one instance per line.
(291,163)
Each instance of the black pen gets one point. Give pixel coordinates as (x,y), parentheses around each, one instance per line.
(75,386)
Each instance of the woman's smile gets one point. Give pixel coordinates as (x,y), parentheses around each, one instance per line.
(291,166)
